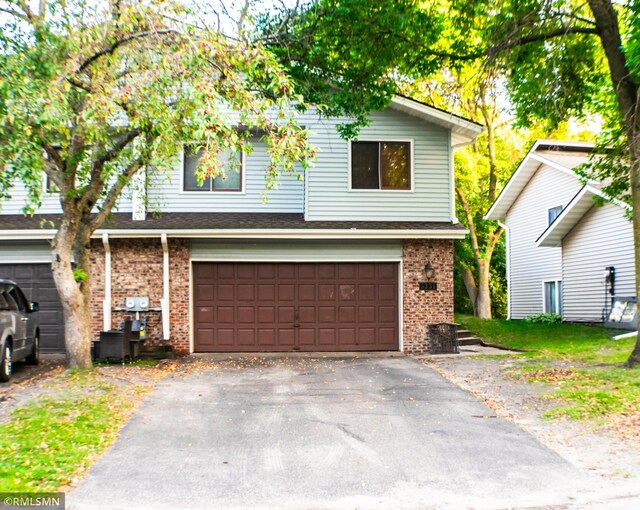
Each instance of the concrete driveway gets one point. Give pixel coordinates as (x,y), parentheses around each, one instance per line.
(358,432)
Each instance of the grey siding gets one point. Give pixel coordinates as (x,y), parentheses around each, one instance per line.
(50,202)
(530,265)
(296,251)
(166,191)
(603,237)
(328,195)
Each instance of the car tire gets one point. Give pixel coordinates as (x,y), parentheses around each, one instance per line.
(34,357)
(6,363)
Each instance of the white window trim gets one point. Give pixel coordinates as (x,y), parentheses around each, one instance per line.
(382,140)
(549,209)
(558,296)
(205,193)
(45,187)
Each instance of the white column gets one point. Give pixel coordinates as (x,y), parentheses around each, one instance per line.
(164,302)
(106,304)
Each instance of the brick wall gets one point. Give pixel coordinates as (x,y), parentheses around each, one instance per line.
(136,266)
(136,270)
(425,307)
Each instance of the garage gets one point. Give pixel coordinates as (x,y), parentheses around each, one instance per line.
(263,307)
(36,281)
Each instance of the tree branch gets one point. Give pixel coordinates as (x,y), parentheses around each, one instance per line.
(92,191)
(493,241)
(472,228)
(114,193)
(522,41)
(109,50)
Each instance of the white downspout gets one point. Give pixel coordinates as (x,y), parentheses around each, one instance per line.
(508,257)
(164,302)
(106,303)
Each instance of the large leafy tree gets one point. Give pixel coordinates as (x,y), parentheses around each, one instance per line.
(475,92)
(561,58)
(92,93)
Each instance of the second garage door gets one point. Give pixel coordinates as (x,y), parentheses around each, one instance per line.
(248,307)
(36,281)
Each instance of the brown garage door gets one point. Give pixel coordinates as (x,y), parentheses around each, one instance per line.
(36,281)
(295,307)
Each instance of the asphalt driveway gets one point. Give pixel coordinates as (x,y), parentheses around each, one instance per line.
(364,432)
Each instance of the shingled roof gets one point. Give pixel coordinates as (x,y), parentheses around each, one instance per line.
(223,222)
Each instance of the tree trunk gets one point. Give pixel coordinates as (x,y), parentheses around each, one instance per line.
(634,358)
(482,306)
(74,297)
(470,285)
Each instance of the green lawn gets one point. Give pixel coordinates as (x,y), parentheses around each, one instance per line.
(581,363)
(571,342)
(53,439)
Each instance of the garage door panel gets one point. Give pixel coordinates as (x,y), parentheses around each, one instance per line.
(266,293)
(286,292)
(326,314)
(225,292)
(306,292)
(307,315)
(246,315)
(296,306)
(204,293)
(387,314)
(226,337)
(387,292)
(246,337)
(347,292)
(266,314)
(204,315)
(246,292)
(36,281)
(225,314)
(266,336)
(307,336)
(286,337)
(326,292)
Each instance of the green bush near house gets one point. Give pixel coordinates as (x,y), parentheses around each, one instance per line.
(542,318)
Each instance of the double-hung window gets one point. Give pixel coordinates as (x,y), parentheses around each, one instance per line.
(381,165)
(231,180)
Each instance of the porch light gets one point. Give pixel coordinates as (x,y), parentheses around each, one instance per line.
(429,271)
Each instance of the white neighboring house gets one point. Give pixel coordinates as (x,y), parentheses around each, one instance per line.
(560,244)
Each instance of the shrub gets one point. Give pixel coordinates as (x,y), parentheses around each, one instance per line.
(544,318)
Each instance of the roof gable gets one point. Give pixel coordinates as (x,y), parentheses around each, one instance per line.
(463,131)
(562,156)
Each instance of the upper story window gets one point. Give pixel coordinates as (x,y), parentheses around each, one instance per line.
(230,181)
(553,213)
(381,165)
(49,185)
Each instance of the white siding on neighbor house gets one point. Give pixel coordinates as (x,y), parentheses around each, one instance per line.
(50,202)
(603,237)
(328,196)
(530,265)
(167,193)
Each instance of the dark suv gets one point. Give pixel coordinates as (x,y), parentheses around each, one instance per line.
(19,329)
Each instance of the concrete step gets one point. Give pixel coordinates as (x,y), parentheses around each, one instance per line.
(466,337)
